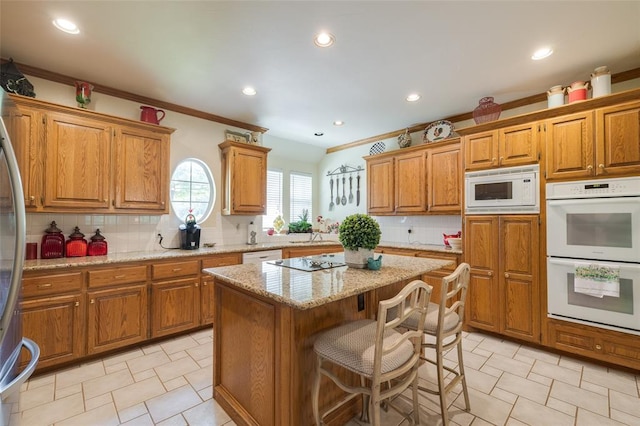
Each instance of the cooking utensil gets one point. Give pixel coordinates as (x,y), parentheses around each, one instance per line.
(338,191)
(344,184)
(358,190)
(350,189)
(331,185)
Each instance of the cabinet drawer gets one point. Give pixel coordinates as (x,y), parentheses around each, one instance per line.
(51,284)
(175,269)
(115,276)
(222,260)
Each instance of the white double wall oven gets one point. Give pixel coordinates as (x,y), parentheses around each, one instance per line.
(593,252)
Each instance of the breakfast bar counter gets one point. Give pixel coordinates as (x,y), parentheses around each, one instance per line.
(266,316)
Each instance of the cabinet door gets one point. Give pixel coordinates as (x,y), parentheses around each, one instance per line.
(380,190)
(569,146)
(175,306)
(28,133)
(444,171)
(141,170)
(518,145)
(410,183)
(207,302)
(481,150)
(618,140)
(480,252)
(519,283)
(249,181)
(56,324)
(117,317)
(77,165)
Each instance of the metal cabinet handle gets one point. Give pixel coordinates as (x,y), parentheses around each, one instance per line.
(501,159)
(490,273)
(493,160)
(44,285)
(77,304)
(601,166)
(590,169)
(506,275)
(598,347)
(177,269)
(93,301)
(196,284)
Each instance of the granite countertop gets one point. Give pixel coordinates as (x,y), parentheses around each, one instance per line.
(68,262)
(305,290)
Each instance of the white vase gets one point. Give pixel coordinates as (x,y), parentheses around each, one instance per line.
(357,258)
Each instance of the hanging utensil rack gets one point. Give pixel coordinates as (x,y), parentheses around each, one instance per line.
(344,169)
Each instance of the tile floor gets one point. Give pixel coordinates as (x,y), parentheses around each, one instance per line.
(169,383)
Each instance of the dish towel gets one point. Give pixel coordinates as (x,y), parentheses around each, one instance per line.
(597,280)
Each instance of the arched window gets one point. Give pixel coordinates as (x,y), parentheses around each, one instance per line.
(192,190)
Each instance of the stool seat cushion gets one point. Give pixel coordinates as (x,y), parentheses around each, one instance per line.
(353,345)
(451,319)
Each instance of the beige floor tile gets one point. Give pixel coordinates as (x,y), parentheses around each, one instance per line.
(201,351)
(480,381)
(524,387)
(571,363)
(540,379)
(482,352)
(147,362)
(587,418)
(204,333)
(538,354)
(534,414)
(618,380)
(555,372)
(151,349)
(144,420)
(580,398)
(512,422)
(173,402)
(144,375)
(206,393)
(625,418)
(497,346)
(122,357)
(562,406)
(55,411)
(78,375)
(105,384)
(486,407)
(115,367)
(132,412)
(37,396)
(178,344)
(473,360)
(178,355)
(201,378)
(205,362)
(177,368)
(41,380)
(69,390)
(491,370)
(175,383)
(98,401)
(594,388)
(105,415)
(137,393)
(504,395)
(176,420)
(625,403)
(509,365)
(207,413)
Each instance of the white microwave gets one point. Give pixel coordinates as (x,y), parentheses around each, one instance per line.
(504,190)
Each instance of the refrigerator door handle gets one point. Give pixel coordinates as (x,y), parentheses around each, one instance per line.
(15,384)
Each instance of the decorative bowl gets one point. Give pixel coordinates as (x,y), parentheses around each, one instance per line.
(455,243)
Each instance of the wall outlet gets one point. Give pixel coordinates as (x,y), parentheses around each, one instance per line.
(410,230)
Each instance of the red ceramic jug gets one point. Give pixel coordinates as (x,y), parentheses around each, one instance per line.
(150,114)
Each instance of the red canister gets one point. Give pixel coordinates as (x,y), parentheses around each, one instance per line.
(52,245)
(578,91)
(76,244)
(98,245)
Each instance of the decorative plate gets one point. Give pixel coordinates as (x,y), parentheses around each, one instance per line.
(437,130)
(377,148)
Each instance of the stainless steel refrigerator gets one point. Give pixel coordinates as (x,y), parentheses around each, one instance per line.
(12,251)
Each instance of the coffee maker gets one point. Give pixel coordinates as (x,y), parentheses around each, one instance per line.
(189,234)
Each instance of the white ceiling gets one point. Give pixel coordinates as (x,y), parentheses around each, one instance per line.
(201,54)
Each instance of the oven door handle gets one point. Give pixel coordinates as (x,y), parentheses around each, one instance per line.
(582,201)
(573,262)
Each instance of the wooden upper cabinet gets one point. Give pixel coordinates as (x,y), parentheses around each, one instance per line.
(410,182)
(72,160)
(380,185)
(506,147)
(569,146)
(244,178)
(77,162)
(618,140)
(141,170)
(444,179)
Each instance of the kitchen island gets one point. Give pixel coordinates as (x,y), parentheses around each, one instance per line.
(266,317)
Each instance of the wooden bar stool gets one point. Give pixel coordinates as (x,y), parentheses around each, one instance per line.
(386,359)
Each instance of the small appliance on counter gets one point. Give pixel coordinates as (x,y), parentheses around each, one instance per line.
(252,231)
(76,244)
(189,234)
(52,245)
(98,245)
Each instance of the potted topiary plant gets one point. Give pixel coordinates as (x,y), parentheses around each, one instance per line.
(359,235)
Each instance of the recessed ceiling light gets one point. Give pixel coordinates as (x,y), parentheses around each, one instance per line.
(542,53)
(413,97)
(324,39)
(319,134)
(249,91)
(338,123)
(66,26)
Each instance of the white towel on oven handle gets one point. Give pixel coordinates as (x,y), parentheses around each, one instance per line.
(597,280)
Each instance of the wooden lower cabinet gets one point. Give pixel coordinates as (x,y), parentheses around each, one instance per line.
(57,325)
(504,291)
(117,317)
(175,306)
(605,345)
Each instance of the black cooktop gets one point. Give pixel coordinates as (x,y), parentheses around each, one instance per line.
(311,263)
